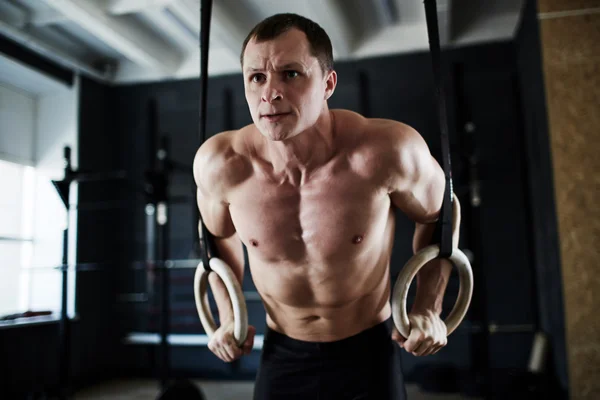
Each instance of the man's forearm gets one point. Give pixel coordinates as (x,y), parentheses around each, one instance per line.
(230,250)
(432,279)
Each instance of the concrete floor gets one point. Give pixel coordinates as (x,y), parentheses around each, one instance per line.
(213,390)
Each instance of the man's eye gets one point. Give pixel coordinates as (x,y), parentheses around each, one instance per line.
(257,78)
(291,74)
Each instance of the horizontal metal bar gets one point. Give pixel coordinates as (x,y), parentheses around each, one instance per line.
(249,296)
(15,239)
(133,265)
(144,338)
(71,267)
(42,320)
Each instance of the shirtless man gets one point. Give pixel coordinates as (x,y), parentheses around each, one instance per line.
(311,192)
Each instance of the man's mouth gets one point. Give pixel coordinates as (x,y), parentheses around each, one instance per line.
(275,117)
(275,114)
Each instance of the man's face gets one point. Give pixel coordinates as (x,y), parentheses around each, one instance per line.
(285,87)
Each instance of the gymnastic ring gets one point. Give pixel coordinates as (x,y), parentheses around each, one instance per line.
(407,274)
(238,303)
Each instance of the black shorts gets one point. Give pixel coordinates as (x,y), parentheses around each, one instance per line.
(366,366)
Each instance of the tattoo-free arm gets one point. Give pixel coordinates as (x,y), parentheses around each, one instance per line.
(214,209)
(418,191)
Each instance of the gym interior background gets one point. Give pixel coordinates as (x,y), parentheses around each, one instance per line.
(117,80)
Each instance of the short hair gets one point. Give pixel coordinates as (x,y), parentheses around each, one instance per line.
(273,26)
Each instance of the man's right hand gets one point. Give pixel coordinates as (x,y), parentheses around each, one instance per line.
(223,344)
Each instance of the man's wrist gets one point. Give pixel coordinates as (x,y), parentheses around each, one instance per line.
(427,305)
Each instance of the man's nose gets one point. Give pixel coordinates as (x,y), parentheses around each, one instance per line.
(271,92)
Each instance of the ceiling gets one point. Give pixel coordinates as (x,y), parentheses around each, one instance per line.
(126,41)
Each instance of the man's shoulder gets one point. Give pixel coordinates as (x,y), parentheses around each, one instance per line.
(373,128)
(398,138)
(394,132)
(373,133)
(380,141)
(220,160)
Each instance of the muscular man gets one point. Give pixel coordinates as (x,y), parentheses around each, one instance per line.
(311,192)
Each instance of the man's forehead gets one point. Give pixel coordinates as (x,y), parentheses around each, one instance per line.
(256,60)
(291,38)
(260,63)
(284,49)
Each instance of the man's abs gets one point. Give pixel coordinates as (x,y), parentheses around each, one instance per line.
(323,304)
(321,263)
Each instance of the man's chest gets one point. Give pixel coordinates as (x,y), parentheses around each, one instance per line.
(324,218)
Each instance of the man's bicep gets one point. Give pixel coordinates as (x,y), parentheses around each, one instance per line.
(209,194)
(420,186)
(215,214)
(217,219)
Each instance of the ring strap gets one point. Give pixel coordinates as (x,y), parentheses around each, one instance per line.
(205,15)
(208,249)
(445,220)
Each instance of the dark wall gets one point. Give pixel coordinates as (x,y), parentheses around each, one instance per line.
(29,361)
(101,211)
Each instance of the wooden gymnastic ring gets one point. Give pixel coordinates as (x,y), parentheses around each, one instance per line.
(238,303)
(407,274)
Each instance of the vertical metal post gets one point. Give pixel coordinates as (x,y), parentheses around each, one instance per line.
(162,242)
(63,337)
(163,251)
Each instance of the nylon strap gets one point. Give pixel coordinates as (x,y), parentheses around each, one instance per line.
(208,248)
(445,220)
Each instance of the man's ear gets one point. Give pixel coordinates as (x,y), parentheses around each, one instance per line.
(330,84)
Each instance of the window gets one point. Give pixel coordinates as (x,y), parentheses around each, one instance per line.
(32,219)
(16,238)
(38,119)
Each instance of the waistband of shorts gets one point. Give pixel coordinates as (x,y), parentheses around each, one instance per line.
(378,332)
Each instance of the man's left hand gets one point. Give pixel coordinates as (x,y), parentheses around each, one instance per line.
(428,334)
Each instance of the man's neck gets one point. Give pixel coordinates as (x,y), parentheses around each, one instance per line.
(297,157)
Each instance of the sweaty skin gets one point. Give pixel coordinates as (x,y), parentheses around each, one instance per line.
(311,192)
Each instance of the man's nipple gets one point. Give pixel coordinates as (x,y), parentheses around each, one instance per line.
(357,239)
(254,242)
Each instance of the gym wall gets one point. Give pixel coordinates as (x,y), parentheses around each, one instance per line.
(570,43)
